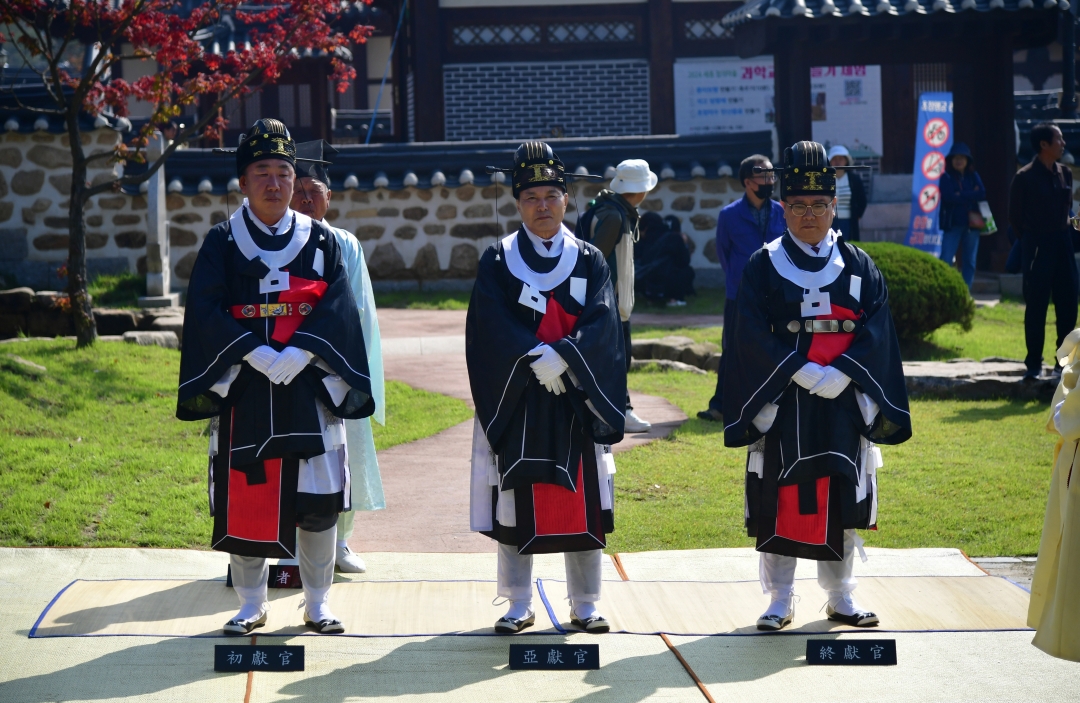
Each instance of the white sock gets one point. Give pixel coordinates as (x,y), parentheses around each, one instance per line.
(780,607)
(319,611)
(342,543)
(584,610)
(844,603)
(251,610)
(519,609)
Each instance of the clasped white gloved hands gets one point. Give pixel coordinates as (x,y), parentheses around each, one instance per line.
(825,381)
(549,368)
(261,359)
(279,367)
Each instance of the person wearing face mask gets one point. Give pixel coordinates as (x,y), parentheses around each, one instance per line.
(742,228)
(814,383)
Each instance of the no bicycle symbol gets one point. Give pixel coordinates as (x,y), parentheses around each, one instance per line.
(928,198)
(936,132)
(933,165)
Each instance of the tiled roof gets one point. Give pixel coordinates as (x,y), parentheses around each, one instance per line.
(15,115)
(450,164)
(813,9)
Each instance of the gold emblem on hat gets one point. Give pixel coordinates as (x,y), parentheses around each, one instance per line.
(542,173)
(812,181)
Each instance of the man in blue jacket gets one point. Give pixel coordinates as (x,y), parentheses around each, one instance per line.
(742,228)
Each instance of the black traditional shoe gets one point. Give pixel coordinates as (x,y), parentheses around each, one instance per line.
(595,625)
(711,415)
(862,618)
(328,626)
(237,627)
(771,623)
(508,626)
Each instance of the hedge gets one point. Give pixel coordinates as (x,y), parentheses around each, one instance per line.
(924,292)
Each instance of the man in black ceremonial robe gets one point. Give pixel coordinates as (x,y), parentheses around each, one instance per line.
(274,353)
(814,384)
(545,355)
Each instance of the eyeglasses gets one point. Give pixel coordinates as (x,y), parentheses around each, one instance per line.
(799,209)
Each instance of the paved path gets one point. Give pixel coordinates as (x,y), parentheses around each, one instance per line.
(427,482)
(661,320)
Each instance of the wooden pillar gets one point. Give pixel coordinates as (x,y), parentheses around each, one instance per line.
(792,80)
(661,69)
(989,109)
(427,30)
(898,118)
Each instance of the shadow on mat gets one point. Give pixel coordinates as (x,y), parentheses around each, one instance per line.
(723,660)
(153,607)
(129,673)
(447,664)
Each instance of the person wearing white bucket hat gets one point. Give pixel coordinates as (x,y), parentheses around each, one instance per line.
(611,225)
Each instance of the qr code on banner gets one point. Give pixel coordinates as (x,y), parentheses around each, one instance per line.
(853,89)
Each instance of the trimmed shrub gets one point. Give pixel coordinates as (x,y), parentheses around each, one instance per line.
(924,292)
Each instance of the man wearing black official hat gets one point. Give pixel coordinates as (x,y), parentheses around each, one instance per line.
(814,384)
(273,354)
(543,343)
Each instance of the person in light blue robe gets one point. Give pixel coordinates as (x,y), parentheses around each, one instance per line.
(312,197)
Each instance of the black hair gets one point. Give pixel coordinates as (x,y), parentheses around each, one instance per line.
(651,225)
(673,224)
(1042,132)
(746,167)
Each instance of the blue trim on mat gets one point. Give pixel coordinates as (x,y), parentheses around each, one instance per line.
(547,606)
(33,630)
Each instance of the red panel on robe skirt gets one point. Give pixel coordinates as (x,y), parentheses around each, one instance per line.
(301,290)
(254,510)
(808,529)
(557,511)
(824,348)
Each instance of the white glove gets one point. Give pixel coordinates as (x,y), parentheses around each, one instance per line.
(556,386)
(290,362)
(765,417)
(809,375)
(261,359)
(832,385)
(549,366)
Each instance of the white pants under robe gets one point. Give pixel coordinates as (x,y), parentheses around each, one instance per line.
(582,574)
(778,572)
(315,552)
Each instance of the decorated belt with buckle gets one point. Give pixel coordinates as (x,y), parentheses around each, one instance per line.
(821,326)
(270,310)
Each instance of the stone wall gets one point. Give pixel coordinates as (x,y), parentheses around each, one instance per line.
(407,235)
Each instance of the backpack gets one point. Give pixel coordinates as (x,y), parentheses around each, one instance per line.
(583,228)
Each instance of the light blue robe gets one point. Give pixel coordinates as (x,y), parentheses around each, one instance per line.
(367,489)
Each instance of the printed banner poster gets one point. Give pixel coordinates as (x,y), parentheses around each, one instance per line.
(729,94)
(845,108)
(724,94)
(933,139)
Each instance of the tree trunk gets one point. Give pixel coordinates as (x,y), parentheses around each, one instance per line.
(81,313)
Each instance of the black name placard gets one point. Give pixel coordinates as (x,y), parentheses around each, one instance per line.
(554,656)
(281,576)
(258,657)
(851,652)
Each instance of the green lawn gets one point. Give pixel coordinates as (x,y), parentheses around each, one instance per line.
(423,300)
(91,454)
(974,476)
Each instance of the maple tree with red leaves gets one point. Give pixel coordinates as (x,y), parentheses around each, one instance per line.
(45,34)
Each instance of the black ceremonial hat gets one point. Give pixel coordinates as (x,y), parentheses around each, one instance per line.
(807,171)
(535,164)
(313,160)
(266,139)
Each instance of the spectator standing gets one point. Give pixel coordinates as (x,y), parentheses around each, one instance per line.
(1039,205)
(742,228)
(850,195)
(961,192)
(611,225)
